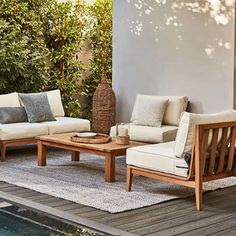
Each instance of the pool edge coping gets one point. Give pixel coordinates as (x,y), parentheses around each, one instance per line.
(63,215)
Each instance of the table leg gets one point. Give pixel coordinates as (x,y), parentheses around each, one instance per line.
(109,167)
(42,150)
(3,152)
(75,156)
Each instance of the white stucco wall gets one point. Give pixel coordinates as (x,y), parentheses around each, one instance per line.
(190,55)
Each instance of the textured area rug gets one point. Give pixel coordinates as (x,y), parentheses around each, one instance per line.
(83,182)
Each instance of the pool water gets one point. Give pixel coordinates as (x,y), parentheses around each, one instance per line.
(15,221)
(12,225)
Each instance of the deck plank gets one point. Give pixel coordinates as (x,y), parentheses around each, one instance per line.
(228,232)
(169,218)
(160,209)
(192,219)
(211,229)
(166,214)
(95,213)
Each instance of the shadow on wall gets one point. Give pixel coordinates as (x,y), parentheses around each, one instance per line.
(218,11)
(173,47)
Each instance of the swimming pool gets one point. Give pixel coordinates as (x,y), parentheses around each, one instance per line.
(17,221)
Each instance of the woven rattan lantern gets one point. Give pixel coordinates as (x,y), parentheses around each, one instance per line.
(104,108)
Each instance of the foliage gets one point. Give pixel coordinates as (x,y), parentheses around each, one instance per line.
(100,36)
(39,41)
(23,53)
(64,33)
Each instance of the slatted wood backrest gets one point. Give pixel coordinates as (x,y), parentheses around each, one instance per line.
(214,157)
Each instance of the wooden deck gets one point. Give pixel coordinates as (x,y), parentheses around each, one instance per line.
(176,217)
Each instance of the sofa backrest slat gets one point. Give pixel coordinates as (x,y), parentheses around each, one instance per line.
(205,137)
(223,146)
(192,165)
(231,149)
(213,150)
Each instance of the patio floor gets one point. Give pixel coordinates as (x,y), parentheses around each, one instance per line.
(176,217)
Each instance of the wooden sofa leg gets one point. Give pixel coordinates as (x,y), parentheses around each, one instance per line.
(3,152)
(129,178)
(198,195)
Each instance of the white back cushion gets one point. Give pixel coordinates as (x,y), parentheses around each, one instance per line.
(175,107)
(187,124)
(54,98)
(148,110)
(9,100)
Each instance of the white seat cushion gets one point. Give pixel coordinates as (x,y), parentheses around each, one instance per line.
(22,130)
(67,124)
(149,134)
(9,100)
(157,157)
(188,121)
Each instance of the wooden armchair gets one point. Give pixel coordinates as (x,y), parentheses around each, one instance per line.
(208,161)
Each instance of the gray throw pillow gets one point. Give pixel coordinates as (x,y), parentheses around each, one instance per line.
(37,107)
(12,115)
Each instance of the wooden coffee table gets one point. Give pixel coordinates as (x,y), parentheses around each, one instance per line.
(109,150)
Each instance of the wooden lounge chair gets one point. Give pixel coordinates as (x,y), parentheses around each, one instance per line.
(212,157)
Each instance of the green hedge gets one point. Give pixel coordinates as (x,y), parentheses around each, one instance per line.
(39,41)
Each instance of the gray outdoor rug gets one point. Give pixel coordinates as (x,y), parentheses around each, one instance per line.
(83,182)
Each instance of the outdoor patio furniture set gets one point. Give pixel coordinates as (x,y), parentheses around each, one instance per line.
(168,143)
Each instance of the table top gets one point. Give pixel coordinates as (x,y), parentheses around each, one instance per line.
(65,139)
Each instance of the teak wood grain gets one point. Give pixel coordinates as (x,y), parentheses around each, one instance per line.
(108,150)
(197,174)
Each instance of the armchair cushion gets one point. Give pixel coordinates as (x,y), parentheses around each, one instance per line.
(187,124)
(175,107)
(157,157)
(148,134)
(148,110)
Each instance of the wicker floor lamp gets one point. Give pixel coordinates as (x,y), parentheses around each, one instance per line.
(104,108)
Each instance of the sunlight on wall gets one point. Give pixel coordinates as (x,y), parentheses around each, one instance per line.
(220,12)
(174,47)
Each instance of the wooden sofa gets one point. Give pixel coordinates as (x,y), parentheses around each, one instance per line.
(21,133)
(219,163)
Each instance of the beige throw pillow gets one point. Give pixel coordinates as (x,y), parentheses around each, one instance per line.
(175,107)
(148,110)
(184,138)
(54,99)
(9,100)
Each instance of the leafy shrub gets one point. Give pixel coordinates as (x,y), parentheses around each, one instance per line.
(23,53)
(100,36)
(39,41)
(64,32)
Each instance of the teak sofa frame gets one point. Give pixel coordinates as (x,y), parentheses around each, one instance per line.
(200,148)
(7,143)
